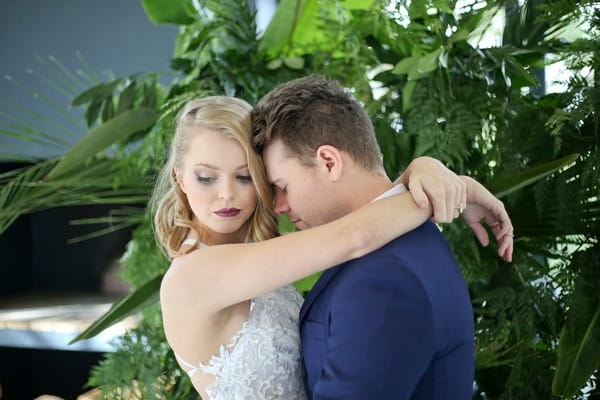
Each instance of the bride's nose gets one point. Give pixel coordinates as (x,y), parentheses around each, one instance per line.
(226,190)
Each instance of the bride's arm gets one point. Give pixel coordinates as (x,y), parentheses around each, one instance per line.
(219,276)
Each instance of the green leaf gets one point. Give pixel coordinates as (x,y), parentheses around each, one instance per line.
(178,12)
(429,62)
(357,4)
(443,6)
(281,27)
(103,136)
(92,112)
(274,64)
(304,285)
(405,65)
(108,109)
(294,62)
(444,58)
(296,23)
(414,74)
(579,349)
(460,36)
(406,94)
(127,97)
(285,224)
(145,295)
(288,16)
(96,94)
(506,185)
(150,98)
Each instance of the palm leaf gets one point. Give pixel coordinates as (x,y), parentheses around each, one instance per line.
(110,132)
(579,349)
(117,220)
(26,190)
(296,24)
(145,295)
(281,30)
(506,185)
(178,12)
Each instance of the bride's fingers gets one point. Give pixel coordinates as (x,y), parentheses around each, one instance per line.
(437,196)
(447,210)
(416,191)
(505,247)
(480,233)
(454,199)
(463,195)
(502,218)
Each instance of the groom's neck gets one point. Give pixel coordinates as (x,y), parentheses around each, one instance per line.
(363,187)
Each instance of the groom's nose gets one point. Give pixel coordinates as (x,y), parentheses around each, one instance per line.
(281,204)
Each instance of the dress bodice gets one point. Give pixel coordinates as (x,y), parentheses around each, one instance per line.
(263,360)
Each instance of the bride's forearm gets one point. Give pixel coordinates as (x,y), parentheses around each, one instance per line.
(377,223)
(219,276)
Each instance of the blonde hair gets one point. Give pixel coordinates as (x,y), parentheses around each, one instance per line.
(172,213)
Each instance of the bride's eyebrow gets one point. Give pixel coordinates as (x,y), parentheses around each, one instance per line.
(206,165)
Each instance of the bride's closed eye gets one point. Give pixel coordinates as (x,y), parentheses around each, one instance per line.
(244,178)
(205,179)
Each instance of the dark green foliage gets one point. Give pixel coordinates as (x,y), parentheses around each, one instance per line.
(143,367)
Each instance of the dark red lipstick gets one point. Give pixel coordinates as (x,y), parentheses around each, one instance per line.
(227,212)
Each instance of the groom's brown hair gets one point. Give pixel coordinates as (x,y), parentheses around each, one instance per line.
(308,112)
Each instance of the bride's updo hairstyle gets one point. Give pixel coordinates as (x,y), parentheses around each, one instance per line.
(172,213)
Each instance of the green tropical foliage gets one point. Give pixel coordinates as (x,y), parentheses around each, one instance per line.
(433,87)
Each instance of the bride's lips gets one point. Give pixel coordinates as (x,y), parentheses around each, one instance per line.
(228,212)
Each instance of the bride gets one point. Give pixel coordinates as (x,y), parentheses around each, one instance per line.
(229,312)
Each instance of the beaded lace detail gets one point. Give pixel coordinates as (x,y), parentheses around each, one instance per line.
(263,359)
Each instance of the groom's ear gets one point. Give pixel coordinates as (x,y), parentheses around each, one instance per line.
(330,161)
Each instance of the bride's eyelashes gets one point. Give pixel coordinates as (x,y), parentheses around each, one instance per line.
(208,179)
(205,179)
(244,178)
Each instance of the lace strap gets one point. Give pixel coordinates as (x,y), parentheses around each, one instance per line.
(193,369)
(189,242)
(192,242)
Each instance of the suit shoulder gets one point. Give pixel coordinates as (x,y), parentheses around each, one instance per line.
(421,253)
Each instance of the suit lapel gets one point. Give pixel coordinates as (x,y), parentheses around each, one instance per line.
(321,284)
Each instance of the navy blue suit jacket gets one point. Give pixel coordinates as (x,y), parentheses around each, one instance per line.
(395,324)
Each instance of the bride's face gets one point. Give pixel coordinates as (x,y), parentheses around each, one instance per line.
(217,182)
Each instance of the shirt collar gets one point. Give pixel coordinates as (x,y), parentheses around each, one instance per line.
(400,188)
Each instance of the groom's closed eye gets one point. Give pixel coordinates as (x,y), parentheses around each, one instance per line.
(276,188)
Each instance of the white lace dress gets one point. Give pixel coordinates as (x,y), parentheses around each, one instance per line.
(263,360)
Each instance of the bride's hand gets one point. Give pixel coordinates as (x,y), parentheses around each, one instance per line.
(484,206)
(430,181)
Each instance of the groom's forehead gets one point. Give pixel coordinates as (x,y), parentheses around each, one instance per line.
(273,153)
(279,163)
(271,160)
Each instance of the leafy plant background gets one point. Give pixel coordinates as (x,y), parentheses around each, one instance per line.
(431,88)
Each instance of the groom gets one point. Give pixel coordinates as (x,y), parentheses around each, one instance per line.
(395,324)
